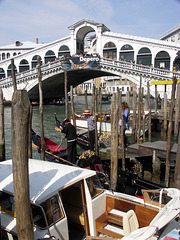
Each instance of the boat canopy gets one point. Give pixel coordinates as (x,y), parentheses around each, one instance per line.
(45,178)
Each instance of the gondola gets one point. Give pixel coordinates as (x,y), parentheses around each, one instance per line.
(57,153)
(53,151)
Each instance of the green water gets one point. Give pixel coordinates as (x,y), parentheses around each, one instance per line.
(49,122)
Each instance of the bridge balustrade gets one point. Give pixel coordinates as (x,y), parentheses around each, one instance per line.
(142,68)
(155,72)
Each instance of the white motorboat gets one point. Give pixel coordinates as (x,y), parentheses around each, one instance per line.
(68,203)
(105,125)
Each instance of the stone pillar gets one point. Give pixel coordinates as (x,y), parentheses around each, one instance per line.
(73,42)
(99,41)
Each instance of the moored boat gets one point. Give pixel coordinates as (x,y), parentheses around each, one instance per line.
(69,203)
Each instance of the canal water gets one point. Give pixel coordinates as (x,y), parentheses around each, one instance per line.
(49,122)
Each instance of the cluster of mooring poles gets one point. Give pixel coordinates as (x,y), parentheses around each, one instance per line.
(22,142)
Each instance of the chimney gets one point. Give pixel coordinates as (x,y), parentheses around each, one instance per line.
(36,40)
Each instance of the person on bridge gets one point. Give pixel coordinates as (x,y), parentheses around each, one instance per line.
(71,136)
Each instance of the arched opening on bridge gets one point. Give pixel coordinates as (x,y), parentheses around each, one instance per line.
(90,43)
(8,55)
(23,66)
(49,56)
(9,70)
(3,56)
(63,51)
(144,56)
(176,63)
(14,54)
(126,53)
(110,50)
(162,60)
(35,61)
(83,39)
(2,73)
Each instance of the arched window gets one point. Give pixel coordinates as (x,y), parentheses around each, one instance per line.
(8,55)
(24,65)
(14,54)
(176,63)
(3,56)
(35,61)
(162,60)
(9,70)
(126,53)
(50,56)
(2,73)
(110,50)
(64,51)
(144,56)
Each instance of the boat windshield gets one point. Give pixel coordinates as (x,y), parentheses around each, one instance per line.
(94,186)
(157,198)
(38,216)
(52,210)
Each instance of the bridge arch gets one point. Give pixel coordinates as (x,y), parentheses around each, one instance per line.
(49,56)
(3,56)
(176,63)
(110,50)
(64,51)
(126,53)
(162,60)
(23,66)
(2,73)
(144,56)
(9,70)
(34,61)
(81,36)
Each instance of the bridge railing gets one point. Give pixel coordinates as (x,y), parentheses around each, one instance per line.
(141,68)
(30,72)
(109,62)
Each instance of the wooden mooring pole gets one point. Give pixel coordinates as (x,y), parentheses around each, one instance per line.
(177,111)
(2,138)
(170,126)
(72,106)
(114,142)
(134,124)
(29,133)
(177,168)
(20,126)
(66,92)
(41,110)
(149,105)
(86,102)
(165,116)
(95,118)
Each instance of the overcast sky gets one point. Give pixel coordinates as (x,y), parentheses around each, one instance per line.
(48,20)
